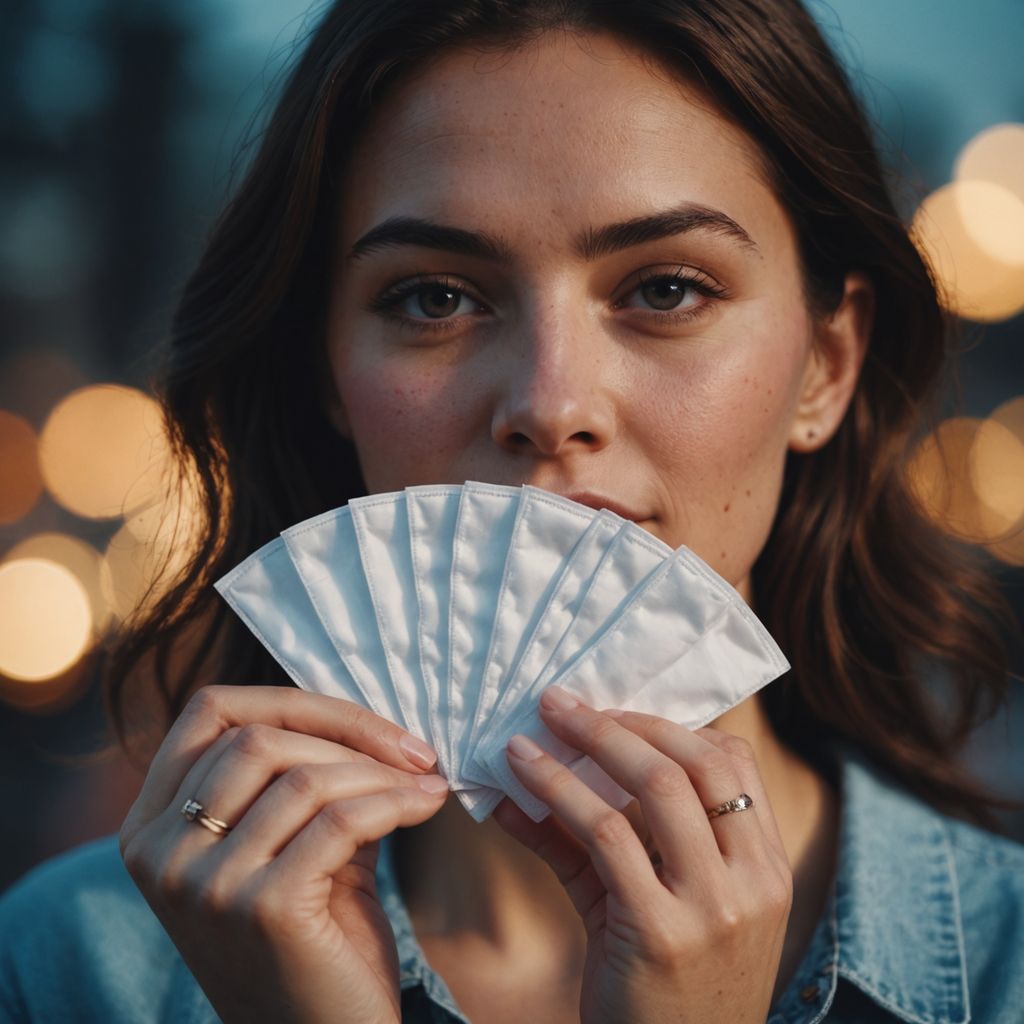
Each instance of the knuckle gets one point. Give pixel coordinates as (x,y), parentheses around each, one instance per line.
(737,748)
(778,892)
(561,781)
(265,911)
(206,702)
(133,855)
(666,779)
(255,740)
(303,780)
(215,896)
(725,922)
(170,882)
(603,729)
(364,731)
(662,731)
(612,829)
(719,769)
(664,947)
(338,817)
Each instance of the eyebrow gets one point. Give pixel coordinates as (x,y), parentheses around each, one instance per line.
(589,245)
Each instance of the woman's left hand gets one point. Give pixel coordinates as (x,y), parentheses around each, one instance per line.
(696,937)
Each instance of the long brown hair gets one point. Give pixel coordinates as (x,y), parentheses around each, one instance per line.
(866,597)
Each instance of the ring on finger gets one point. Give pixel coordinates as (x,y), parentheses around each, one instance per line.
(738,803)
(193,811)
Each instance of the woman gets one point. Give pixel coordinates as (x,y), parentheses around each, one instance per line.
(636,252)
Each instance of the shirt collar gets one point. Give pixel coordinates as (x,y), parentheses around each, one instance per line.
(897,908)
(891,926)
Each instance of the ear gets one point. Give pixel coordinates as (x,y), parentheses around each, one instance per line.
(840,343)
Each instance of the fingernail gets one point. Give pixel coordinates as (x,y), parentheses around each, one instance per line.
(556,699)
(417,751)
(432,783)
(614,712)
(524,748)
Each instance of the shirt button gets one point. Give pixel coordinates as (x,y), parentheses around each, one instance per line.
(809,994)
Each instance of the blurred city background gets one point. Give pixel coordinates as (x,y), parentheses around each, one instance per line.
(121,135)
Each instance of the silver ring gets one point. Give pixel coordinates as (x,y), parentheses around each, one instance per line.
(739,803)
(193,811)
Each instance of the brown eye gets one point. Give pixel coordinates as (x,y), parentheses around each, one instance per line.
(665,292)
(437,300)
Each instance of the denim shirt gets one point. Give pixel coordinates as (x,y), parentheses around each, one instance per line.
(924,923)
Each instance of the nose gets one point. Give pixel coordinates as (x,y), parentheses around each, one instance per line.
(554,396)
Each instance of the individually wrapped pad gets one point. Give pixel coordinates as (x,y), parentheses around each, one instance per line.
(544,535)
(325,554)
(482,534)
(267,594)
(382,531)
(432,512)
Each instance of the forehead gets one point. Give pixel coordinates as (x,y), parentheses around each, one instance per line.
(567,129)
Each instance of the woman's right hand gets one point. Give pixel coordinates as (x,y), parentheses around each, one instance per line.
(279,919)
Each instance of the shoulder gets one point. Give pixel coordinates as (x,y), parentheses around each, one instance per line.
(930,908)
(78,942)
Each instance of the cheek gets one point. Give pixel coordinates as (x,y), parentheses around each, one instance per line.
(728,411)
(403,416)
(725,426)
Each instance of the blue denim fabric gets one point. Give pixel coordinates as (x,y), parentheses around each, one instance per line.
(924,924)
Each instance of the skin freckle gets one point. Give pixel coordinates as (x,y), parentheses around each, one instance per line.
(727,507)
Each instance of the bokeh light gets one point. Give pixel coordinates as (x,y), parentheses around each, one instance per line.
(1010,548)
(1011,415)
(46,620)
(972,235)
(997,472)
(940,478)
(48,696)
(175,515)
(103,451)
(994,218)
(995,155)
(134,571)
(21,483)
(78,557)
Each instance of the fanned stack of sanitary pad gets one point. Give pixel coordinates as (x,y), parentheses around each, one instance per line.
(448,609)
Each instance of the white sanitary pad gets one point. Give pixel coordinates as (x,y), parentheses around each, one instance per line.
(449,609)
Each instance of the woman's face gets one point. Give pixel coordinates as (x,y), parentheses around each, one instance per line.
(606,300)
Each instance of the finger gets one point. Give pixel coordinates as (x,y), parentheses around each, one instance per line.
(190,786)
(714,777)
(330,840)
(614,848)
(559,850)
(281,811)
(213,709)
(229,778)
(750,779)
(651,767)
